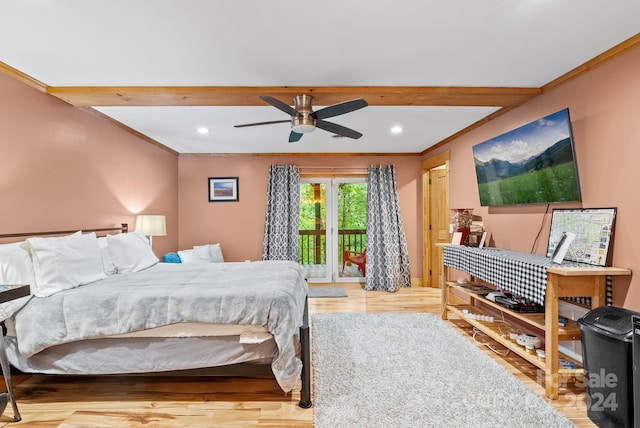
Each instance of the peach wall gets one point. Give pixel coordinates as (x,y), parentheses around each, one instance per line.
(605,116)
(239,226)
(63,168)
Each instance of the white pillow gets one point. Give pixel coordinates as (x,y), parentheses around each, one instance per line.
(196,255)
(15,269)
(107,261)
(215,252)
(64,262)
(130,252)
(15,265)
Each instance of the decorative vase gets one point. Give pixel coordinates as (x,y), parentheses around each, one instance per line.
(461,219)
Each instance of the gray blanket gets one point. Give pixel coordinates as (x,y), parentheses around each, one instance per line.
(270,294)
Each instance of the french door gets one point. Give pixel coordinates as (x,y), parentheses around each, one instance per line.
(332,227)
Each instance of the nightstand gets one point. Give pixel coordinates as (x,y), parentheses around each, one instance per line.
(8,293)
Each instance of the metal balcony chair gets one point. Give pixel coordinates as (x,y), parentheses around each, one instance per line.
(357,258)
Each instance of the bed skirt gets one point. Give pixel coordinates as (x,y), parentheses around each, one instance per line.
(139,355)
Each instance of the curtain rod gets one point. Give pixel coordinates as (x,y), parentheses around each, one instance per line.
(356,168)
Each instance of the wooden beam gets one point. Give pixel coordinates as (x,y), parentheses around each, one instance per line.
(469,128)
(124,127)
(85,96)
(22,77)
(599,60)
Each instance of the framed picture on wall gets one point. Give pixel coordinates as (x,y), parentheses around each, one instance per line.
(223,189)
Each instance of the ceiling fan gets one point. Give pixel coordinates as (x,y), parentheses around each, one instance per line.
(304,119)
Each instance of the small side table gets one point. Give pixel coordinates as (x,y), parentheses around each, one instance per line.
(8,293)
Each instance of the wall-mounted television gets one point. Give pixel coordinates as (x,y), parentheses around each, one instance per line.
(532,164)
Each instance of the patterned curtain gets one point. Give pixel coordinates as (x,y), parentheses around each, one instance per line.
(387,253)
(283,214)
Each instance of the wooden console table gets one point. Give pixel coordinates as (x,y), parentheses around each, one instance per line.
(536,278)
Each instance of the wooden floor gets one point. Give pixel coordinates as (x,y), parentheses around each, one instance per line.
(61,401)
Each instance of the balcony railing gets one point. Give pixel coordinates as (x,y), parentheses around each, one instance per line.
(312,244)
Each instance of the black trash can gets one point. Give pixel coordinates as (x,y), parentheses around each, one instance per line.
(636,370)
(607,356)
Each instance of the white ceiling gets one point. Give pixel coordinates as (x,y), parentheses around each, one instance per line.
(477,43)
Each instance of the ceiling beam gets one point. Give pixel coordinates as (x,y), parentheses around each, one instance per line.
(22,77)
(85,96)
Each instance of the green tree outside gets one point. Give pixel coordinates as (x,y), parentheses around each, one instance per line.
(352,215)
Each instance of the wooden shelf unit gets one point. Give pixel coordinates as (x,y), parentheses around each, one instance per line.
(561,282)
(494,331)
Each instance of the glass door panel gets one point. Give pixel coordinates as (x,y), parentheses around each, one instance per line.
(351,227)
(312,237)
(332,232)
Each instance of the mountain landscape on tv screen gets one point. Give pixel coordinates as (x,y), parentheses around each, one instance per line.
(496,169)
(549,176)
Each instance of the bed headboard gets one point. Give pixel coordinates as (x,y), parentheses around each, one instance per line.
(123,228)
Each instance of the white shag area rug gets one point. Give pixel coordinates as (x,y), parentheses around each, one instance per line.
(413,370)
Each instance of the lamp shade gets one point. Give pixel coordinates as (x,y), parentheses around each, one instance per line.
(151,225)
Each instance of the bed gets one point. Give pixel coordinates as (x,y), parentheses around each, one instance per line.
(134,315)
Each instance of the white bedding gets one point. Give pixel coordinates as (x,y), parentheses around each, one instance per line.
(185,329)
(246,333)
(139,355)
(268,295)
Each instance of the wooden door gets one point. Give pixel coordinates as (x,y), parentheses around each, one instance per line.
(439,222)
(435,216)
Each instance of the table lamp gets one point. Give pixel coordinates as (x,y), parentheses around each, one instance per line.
(151,225)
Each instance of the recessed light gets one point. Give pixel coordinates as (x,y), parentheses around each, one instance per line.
(396,129)
(202,130)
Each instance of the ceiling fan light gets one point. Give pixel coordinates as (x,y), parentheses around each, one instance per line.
(303,128)
(303,124)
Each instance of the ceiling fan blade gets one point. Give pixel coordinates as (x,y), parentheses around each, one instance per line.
(338,129)
(262,123)
(294,136)
(279,105)
(338,109)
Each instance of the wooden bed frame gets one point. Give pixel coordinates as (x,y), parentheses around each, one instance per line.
(240,369)
(123,228)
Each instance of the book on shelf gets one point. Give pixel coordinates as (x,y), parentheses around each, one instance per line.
(476,288)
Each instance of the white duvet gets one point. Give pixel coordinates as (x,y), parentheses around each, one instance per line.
(270,294)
